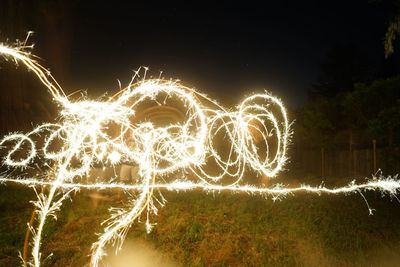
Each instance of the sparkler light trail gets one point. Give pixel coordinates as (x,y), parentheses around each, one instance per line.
(184,154)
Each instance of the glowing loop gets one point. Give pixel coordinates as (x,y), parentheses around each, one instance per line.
(82,139)
(255,137)
(21,139)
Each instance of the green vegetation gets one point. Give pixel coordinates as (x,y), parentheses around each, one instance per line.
(199,229)
(367,112)
(359,120)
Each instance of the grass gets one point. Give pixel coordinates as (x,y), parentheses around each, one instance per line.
(199,229)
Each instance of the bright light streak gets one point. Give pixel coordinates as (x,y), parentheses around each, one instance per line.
(256,133)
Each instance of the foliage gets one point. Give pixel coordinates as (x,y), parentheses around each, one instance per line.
(372,111)
(318,122)
(392,31)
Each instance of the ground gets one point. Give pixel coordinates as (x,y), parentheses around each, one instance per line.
(221,229)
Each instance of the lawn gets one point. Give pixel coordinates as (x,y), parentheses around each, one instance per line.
(221,229)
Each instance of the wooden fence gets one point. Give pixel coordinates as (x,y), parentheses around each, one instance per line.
(343,163)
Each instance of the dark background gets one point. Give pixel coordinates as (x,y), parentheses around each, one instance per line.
(225,49)
(312,54)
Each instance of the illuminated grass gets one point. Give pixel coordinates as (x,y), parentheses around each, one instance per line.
(224,229)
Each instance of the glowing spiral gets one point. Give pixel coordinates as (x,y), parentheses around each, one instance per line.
(210,148)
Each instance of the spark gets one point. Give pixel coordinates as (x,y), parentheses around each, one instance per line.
(176,157)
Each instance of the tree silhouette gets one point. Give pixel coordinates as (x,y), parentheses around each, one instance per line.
(342,67)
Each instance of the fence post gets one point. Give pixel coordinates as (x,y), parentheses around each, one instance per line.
(374,153)
(350,152)
(322,162)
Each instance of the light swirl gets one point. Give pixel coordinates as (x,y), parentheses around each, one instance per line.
(210,147)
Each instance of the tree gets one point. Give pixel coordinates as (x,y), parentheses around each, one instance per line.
(376,107)
(342,67)
(393,28)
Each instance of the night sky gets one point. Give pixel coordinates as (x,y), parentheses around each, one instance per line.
(226,50)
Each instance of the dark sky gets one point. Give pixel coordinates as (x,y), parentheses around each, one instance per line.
(227,49)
